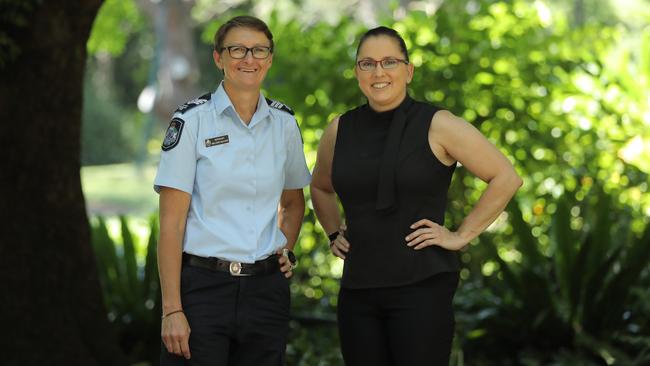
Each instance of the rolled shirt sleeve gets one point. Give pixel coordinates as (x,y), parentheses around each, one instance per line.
(177,167)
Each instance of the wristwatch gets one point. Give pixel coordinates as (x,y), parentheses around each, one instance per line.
(291,257)
(333,237)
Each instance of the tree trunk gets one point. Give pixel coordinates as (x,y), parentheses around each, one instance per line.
(178,69)
(52,310)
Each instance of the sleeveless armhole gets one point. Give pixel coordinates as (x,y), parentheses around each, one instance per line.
(434,157)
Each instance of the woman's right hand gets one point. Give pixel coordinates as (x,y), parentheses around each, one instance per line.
(340,245)
(175,334)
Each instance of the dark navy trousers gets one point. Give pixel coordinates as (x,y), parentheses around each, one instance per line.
(234,321)
(410,325)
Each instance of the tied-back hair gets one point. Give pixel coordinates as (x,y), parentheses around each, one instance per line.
(243,21)
(388,32)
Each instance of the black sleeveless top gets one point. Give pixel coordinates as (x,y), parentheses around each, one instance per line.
(387,178)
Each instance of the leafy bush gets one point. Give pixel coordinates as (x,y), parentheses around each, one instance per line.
(109,133)
(579,297)
(131,290)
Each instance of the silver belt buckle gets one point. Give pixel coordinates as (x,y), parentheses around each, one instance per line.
(235,269)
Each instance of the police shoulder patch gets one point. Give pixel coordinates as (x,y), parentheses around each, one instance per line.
(193,103)
(277,105)
(173,134)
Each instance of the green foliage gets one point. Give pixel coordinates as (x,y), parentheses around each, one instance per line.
(313,342)
(109,133)
(131,291)
(528,83)
(116,21)
(314,290)
(573,298)
(112,130)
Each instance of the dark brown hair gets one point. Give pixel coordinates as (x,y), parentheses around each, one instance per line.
(388,32)
(243,21)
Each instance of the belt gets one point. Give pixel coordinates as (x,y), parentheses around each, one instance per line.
(264,266)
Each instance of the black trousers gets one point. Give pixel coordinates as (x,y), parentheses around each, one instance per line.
(234,321)
(409,325)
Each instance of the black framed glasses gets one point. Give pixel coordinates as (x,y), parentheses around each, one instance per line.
(239,52)
(368,64)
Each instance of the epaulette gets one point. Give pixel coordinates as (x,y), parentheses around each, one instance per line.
(193,103)
(277,105)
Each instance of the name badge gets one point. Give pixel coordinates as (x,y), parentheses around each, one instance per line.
(216,141)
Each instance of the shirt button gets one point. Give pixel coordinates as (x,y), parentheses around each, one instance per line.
(248,208)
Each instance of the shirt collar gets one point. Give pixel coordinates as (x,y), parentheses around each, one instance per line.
(222,102)
(261,112)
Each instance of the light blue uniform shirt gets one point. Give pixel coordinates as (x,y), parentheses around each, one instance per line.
(235,174)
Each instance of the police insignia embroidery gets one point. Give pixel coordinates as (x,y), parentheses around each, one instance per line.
(173,134)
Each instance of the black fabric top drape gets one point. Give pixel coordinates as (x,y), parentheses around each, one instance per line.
(386,201)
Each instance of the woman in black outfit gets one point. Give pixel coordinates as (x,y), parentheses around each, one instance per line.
(390,163)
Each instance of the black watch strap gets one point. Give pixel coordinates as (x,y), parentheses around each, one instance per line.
(333,236)
(291,257)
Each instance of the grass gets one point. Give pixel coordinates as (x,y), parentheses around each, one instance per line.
(119,189)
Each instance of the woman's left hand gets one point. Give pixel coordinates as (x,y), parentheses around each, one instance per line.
(428,233)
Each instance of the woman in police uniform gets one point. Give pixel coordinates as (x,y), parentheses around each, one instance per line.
(230,180)
(390,162)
